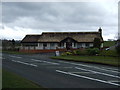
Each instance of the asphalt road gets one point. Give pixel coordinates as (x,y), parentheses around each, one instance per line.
(51,73)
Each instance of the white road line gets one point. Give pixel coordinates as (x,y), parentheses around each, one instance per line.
(51,62)
(111,69)
(25,63)
(36,60)
(87,77)
(45,61)
(15,56)
(114,81)
(98,72)
(60,67)
(90,66)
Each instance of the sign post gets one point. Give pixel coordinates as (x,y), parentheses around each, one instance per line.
(57,53)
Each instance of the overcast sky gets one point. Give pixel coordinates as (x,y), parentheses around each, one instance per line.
(21,18)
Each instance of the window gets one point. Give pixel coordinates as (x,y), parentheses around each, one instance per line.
(79,45)
(45,44)
(61,44)
(87,44)
(52,44)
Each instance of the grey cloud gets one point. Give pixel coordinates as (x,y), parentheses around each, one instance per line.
(57,16)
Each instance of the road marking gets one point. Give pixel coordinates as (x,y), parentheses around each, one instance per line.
(45,61)
(98,72)
(81,72)
(111,69)
(114,81)
(87,78)
(15,56)
(25,63)
(59,67)
(36,60)
(90,66)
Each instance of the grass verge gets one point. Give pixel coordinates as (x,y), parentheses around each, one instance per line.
(114,61)
(12,80)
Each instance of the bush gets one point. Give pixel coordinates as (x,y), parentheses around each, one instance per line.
(97,43)
(80,52)
(69,53)
(76,52)
(118,47)
(93,51)
(66,53)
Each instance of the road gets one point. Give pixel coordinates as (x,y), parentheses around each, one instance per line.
(52,73)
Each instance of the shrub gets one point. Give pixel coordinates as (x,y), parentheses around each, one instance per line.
(118,47)
(97,43)
(69,53)
(80,52)
(93,51)
(76,52)
(66,53)
(63,54)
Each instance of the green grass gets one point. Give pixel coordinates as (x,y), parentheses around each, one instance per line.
(108,43)
(12,80)
(109,53)
(114,61)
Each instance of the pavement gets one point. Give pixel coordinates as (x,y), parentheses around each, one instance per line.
(51,73)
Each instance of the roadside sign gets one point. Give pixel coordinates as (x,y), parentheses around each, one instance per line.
(57,53)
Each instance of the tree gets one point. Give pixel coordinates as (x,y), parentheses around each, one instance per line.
(13,44)
(118,47)
(97,43)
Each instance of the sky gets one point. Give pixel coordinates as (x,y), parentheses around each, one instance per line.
(21,18)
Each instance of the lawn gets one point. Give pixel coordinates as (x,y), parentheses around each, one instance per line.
(12,80)
(114,61)
(109,43)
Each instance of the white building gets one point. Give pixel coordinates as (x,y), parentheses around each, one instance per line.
(60,40)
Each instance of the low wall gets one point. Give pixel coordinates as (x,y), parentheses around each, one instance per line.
(41,51)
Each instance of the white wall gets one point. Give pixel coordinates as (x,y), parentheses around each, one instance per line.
(40,46)
(91,44)
(64,45)
(48,46)
(83,45)
(101,45)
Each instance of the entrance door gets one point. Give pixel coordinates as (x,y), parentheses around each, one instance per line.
(68,45)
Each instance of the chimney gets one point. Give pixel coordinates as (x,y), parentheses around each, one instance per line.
(100,30)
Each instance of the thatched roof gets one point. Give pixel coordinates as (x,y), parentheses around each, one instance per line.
(59,36)
(31,38)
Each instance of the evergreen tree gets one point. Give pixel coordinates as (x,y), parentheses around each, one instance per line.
(97,43)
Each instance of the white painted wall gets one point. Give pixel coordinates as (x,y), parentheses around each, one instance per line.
(75,45)
(56,45)
(31,48)
(64,45)
(83,45)
(72,45)
(48,46)
(40,46)
(101,45)
(91,45)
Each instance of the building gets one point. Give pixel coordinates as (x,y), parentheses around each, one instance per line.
(60,40)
